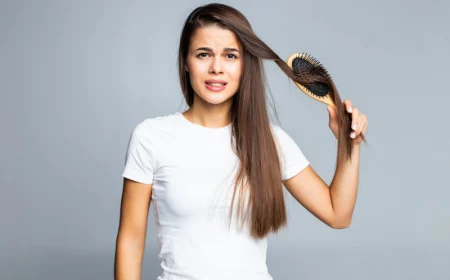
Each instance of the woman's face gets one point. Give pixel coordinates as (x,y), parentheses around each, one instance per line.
(214,63)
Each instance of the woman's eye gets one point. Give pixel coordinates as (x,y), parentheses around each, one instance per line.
(201,55)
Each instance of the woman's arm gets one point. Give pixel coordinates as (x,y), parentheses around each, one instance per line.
(332,204)
(130,243)
(344,187)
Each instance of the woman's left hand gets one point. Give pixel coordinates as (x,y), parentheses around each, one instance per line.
(359,122)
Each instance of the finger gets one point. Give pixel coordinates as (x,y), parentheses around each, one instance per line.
(364,128)
(360,124)
(356,124)
(356,115)
(331,112)
(359,136)
(363,123)
(348,105)
(355,118)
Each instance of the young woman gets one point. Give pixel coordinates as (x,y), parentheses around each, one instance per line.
(215,173)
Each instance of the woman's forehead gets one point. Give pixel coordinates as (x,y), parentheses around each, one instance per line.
(215,38)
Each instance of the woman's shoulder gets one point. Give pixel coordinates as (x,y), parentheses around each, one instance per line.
(151,125)
(276,129)
(158,120)
(161,119)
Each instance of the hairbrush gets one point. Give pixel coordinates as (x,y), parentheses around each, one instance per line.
(315,81)
(312,78)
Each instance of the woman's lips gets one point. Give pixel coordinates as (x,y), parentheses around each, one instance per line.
(216,87)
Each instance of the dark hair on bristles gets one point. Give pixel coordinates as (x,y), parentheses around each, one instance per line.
(312,75)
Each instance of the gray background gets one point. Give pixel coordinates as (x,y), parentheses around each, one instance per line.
(77,76)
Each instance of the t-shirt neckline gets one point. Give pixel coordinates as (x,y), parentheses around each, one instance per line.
(198,126)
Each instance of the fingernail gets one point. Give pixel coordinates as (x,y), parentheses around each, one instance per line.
(352,135)
(349,109)
(354,126)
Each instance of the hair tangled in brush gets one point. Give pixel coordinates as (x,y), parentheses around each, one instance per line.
(313,76)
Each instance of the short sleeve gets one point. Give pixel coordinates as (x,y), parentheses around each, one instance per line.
(139,158)
(292,158)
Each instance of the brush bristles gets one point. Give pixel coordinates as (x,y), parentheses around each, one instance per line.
(311,74)
(314,79)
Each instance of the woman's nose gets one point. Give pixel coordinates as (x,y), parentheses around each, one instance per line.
(216,66)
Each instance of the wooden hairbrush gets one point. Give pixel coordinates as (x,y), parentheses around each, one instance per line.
(313,78)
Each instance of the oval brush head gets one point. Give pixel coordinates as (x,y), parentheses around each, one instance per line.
(312,78)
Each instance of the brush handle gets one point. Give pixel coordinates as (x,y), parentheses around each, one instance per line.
(325,99)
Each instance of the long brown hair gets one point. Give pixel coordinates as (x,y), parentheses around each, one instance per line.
(259,176)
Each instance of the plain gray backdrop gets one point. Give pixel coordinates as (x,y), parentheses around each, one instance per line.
(77,76)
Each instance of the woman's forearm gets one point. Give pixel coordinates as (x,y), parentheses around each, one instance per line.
(128,259)
(344,187)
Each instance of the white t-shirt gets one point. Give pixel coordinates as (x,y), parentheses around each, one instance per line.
(191,168)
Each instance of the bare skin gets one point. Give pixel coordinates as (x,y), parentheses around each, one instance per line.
(130,243)
(214,53)
(332,204)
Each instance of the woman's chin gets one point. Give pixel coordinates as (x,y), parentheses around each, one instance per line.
(215,98)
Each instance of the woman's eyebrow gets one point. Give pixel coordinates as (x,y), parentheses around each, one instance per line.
(209,49)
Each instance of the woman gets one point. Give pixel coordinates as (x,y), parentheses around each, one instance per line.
(215,173)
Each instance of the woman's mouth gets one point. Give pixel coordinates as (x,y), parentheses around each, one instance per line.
(215,86)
